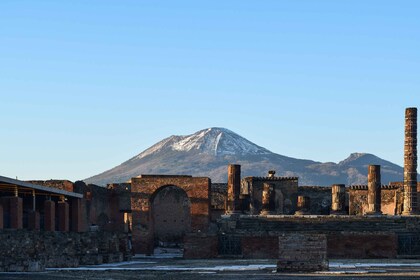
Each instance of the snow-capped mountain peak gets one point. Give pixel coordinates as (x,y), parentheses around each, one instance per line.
(213,141)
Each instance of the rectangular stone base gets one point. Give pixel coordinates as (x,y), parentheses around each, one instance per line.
(302,252)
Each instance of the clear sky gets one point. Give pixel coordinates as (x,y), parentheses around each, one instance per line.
(86,85)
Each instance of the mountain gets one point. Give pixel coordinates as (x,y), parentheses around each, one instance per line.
(209,151)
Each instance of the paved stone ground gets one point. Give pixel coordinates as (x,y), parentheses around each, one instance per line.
(166,268)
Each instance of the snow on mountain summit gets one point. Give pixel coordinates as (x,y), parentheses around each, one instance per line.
(215,141)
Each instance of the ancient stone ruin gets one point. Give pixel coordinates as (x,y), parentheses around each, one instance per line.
(252,217)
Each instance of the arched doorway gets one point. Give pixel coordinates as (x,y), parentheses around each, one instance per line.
(171,216)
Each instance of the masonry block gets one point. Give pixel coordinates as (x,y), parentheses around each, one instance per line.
(200,246)
(63,216)
(302,252)
(16,212)
(49,215)
(76,215)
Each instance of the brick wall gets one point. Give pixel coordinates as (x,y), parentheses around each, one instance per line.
(144,189)
(200,246)
(362,245)
(320,198)
(257,247)
(391,200)
(285,190)
(302,252)
(36,250)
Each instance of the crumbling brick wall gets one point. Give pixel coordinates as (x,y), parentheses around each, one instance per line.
(144,188)
(285,190)
(391,200)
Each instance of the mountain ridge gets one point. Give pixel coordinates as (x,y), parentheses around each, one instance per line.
(208,152)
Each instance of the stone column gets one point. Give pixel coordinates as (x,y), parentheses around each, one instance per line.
(234,189)
(338,199)
(303,205)
(63,216)
(267,199)
(410,162)
(49,215)
(16,212)
(374,190)
(76,215)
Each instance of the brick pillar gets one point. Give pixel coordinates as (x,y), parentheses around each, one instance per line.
(49,215)
(16,212)
(76,215)
(267,199)
(234,189)
(63,216)
(34,220)
(1,217)
(338,199)
(410,162)
(303,205)
(374,190)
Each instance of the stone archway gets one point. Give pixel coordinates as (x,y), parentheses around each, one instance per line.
(170,215)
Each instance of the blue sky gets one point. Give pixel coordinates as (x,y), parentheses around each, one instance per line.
(85,85)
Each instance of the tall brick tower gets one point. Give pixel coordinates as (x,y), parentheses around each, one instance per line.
(410,162)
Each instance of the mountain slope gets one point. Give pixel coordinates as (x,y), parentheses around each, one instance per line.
(209,151)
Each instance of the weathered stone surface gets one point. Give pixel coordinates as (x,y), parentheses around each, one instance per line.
(65,185)
(285,192)
(143,191)
(391,197)
(16,212)
(303,205)
(200,246)
(320,199)
(35,250)
(338,199)
(362,245)
(234,189)
(374,190)
(302,252)
(268,199)
(410,162)
(49,215)
(63,216)
(260,247)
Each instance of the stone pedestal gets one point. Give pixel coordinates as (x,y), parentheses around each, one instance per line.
(16,212)
(410,162)
(374,190)
(302,252)
(267,199)
(338,199)
(234,189)
(34,220)
(49,215)
(303,205)
(63,216)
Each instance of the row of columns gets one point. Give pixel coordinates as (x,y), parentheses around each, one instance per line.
(338,193)
(338,190)
(50,207)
